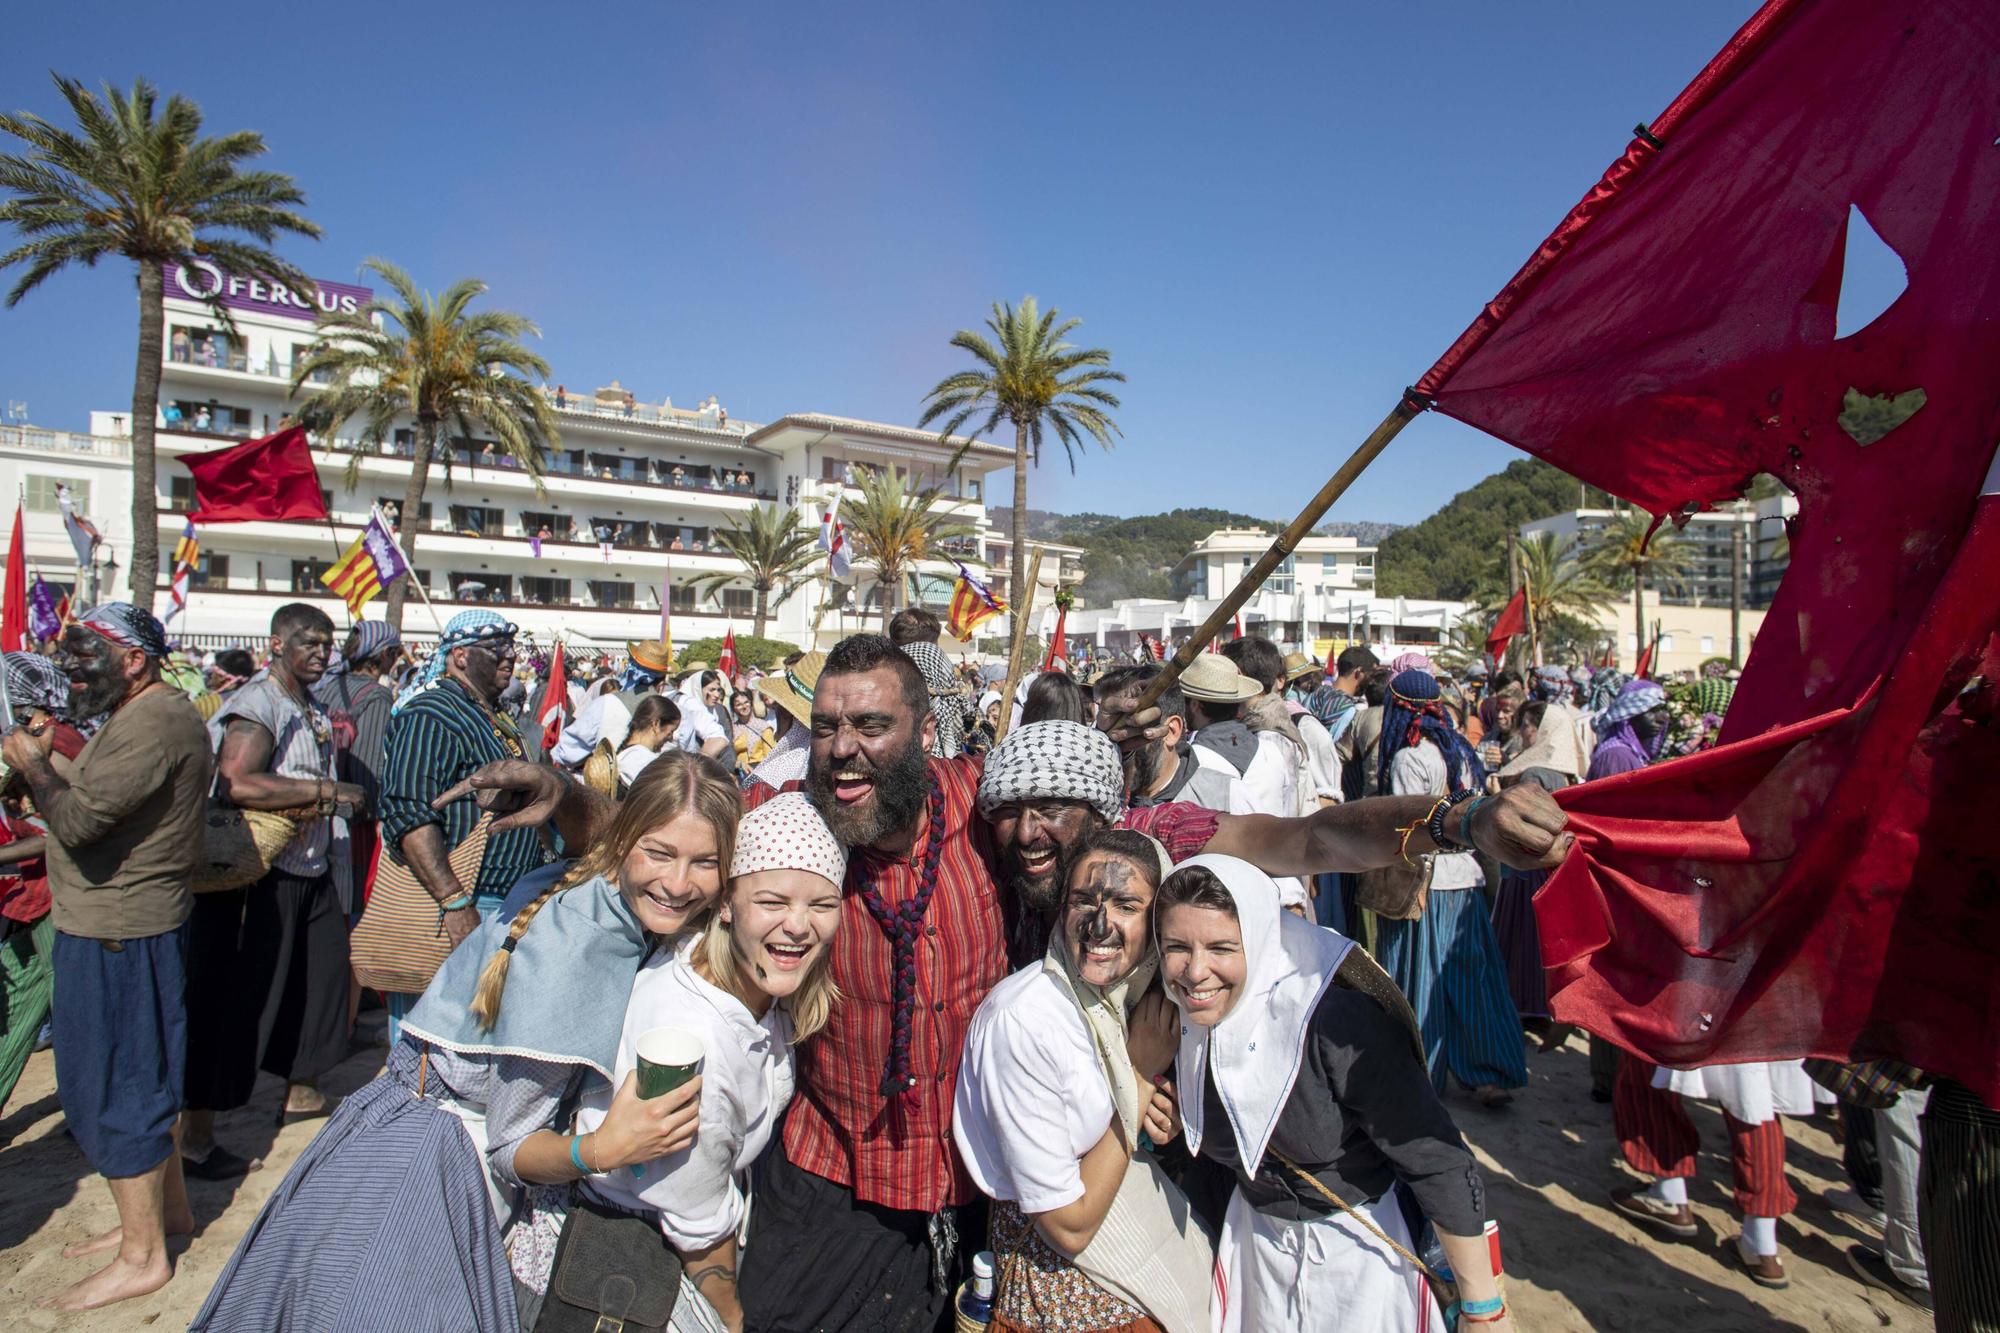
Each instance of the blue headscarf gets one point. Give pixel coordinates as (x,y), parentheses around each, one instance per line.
(370,638)
(635,679)
(1415,711)
(127,626)
(467,627)
(1605,684)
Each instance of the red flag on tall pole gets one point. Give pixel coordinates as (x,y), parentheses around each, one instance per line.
(269,479)
(1821,883)
(725,661)
(1512,620)
(554,709)
(1057,657)
(14,608)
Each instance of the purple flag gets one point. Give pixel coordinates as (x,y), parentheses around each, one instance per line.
(43,620)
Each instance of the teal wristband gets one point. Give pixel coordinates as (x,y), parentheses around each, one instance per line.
(1493,1305)
(458,904)
(576,1155)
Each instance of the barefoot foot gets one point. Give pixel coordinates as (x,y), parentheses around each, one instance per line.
(116,1281)
(182,1225)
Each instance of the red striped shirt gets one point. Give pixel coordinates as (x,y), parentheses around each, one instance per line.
(899,1153)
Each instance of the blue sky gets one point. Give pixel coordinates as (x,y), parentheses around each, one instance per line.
(1275,216)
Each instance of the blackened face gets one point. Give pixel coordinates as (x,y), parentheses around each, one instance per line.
(488,667)
(100,672)
(1649,724)
(1107,917)
(301,653)
(1033,840)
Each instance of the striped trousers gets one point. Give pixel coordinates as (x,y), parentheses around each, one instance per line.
(1958,1206)
(1448,965)
(1658,1138)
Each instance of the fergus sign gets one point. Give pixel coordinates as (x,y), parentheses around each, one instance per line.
(199,280)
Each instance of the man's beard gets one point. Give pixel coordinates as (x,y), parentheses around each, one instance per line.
(1039,896)
(102,689)
(1142,769)
(901,788)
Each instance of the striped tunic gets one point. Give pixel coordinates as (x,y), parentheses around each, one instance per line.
(435,742)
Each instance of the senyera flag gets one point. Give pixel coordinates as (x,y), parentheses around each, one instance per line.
(187,555)
(269,479)
(972,604)
(1822,884)
(371,564)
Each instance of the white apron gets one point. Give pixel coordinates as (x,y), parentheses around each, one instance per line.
(1326,1276)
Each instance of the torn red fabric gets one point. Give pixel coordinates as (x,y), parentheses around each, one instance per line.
(1513,619)
(1644,668)
(268,479)
(1672,339)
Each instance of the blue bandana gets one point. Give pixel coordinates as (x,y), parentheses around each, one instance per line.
(127,626)
(466,627)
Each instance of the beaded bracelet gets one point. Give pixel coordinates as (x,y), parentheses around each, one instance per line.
(458,904)
(1434,822)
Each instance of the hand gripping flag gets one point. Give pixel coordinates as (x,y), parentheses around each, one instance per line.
(370,565)
(972,604)
(1821,883)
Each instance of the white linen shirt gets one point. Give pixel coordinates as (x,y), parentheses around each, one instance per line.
(1418,770)
(632,761)
(746,1083)
(1032,1097)
(604,718)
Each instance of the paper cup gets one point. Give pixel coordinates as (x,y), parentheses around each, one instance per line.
(668,1057)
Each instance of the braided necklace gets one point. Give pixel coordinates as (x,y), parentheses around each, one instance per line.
(903,924)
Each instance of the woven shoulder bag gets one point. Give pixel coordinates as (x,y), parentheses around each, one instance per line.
(401,941)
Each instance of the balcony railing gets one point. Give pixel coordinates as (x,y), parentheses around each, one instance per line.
(63,442)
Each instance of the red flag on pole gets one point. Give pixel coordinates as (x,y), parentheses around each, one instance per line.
(725,661)
(14,610)
(1822,887)
(1513,619)
(269,479)
(554,709)
(1057,657)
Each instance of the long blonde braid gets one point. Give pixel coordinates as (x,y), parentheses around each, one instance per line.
(675,784)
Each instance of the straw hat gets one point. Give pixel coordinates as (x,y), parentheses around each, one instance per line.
(792,689)
(1298,664)
(657,655)
(1213,678)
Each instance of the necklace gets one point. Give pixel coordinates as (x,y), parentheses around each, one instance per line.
(903,924)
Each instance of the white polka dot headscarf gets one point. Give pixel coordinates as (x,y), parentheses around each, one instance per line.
(786,833)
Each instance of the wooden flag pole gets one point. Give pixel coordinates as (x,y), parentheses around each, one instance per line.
(1025,607)
(1283,545)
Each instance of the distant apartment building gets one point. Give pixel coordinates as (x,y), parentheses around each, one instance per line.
(1318,566)
(1709,541)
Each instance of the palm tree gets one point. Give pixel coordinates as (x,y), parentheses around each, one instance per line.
(149,188)
(1621,558)
(894,527)
(430,358)
(777,550)
(1033,379)
(1559,587)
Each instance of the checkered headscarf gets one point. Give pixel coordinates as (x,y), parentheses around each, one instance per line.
(33,681)
(1055,761)
(947,696)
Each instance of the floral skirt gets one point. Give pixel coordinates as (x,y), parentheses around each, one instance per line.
(1038,1290)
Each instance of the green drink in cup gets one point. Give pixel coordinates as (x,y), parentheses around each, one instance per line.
(668,1057)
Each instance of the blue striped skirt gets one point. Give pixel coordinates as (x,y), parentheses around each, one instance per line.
(1448,966)
(382,1223)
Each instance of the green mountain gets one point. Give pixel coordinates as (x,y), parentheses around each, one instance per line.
(1444,555)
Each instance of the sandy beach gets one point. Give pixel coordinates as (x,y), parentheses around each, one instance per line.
(1572,1263)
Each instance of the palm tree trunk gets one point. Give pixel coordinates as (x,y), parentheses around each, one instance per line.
(145,571)
(1017,581)
(763,609)
(413,503)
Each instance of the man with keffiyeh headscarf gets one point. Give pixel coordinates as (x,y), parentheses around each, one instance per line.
(1447,961)
(1631,729)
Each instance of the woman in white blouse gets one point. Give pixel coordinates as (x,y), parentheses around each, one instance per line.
(652,729)
(749,987)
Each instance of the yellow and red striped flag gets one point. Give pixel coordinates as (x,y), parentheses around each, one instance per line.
(370,565)
(972,603)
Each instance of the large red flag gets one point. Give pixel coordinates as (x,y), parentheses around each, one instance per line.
(725,661)
(1057,657)
(271,478)
(14,608)
(1823,886)
(1512,620)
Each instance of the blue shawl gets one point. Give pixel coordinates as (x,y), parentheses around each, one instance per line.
(567,986)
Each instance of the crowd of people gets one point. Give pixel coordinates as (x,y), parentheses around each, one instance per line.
(850,993)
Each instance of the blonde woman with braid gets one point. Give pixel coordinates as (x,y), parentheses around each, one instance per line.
(393,1217)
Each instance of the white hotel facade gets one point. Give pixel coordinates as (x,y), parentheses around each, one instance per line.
(659,480)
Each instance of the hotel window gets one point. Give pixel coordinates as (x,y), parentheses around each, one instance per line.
(1666,643)
(476,520)
(305,577)
(1281,577)
(607,592)
(545,592)
(738,601)
(680,598)
(210,571)
(1708,643)
(180,494)
(42,493)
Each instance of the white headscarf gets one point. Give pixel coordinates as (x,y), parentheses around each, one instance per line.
(1256,1049)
